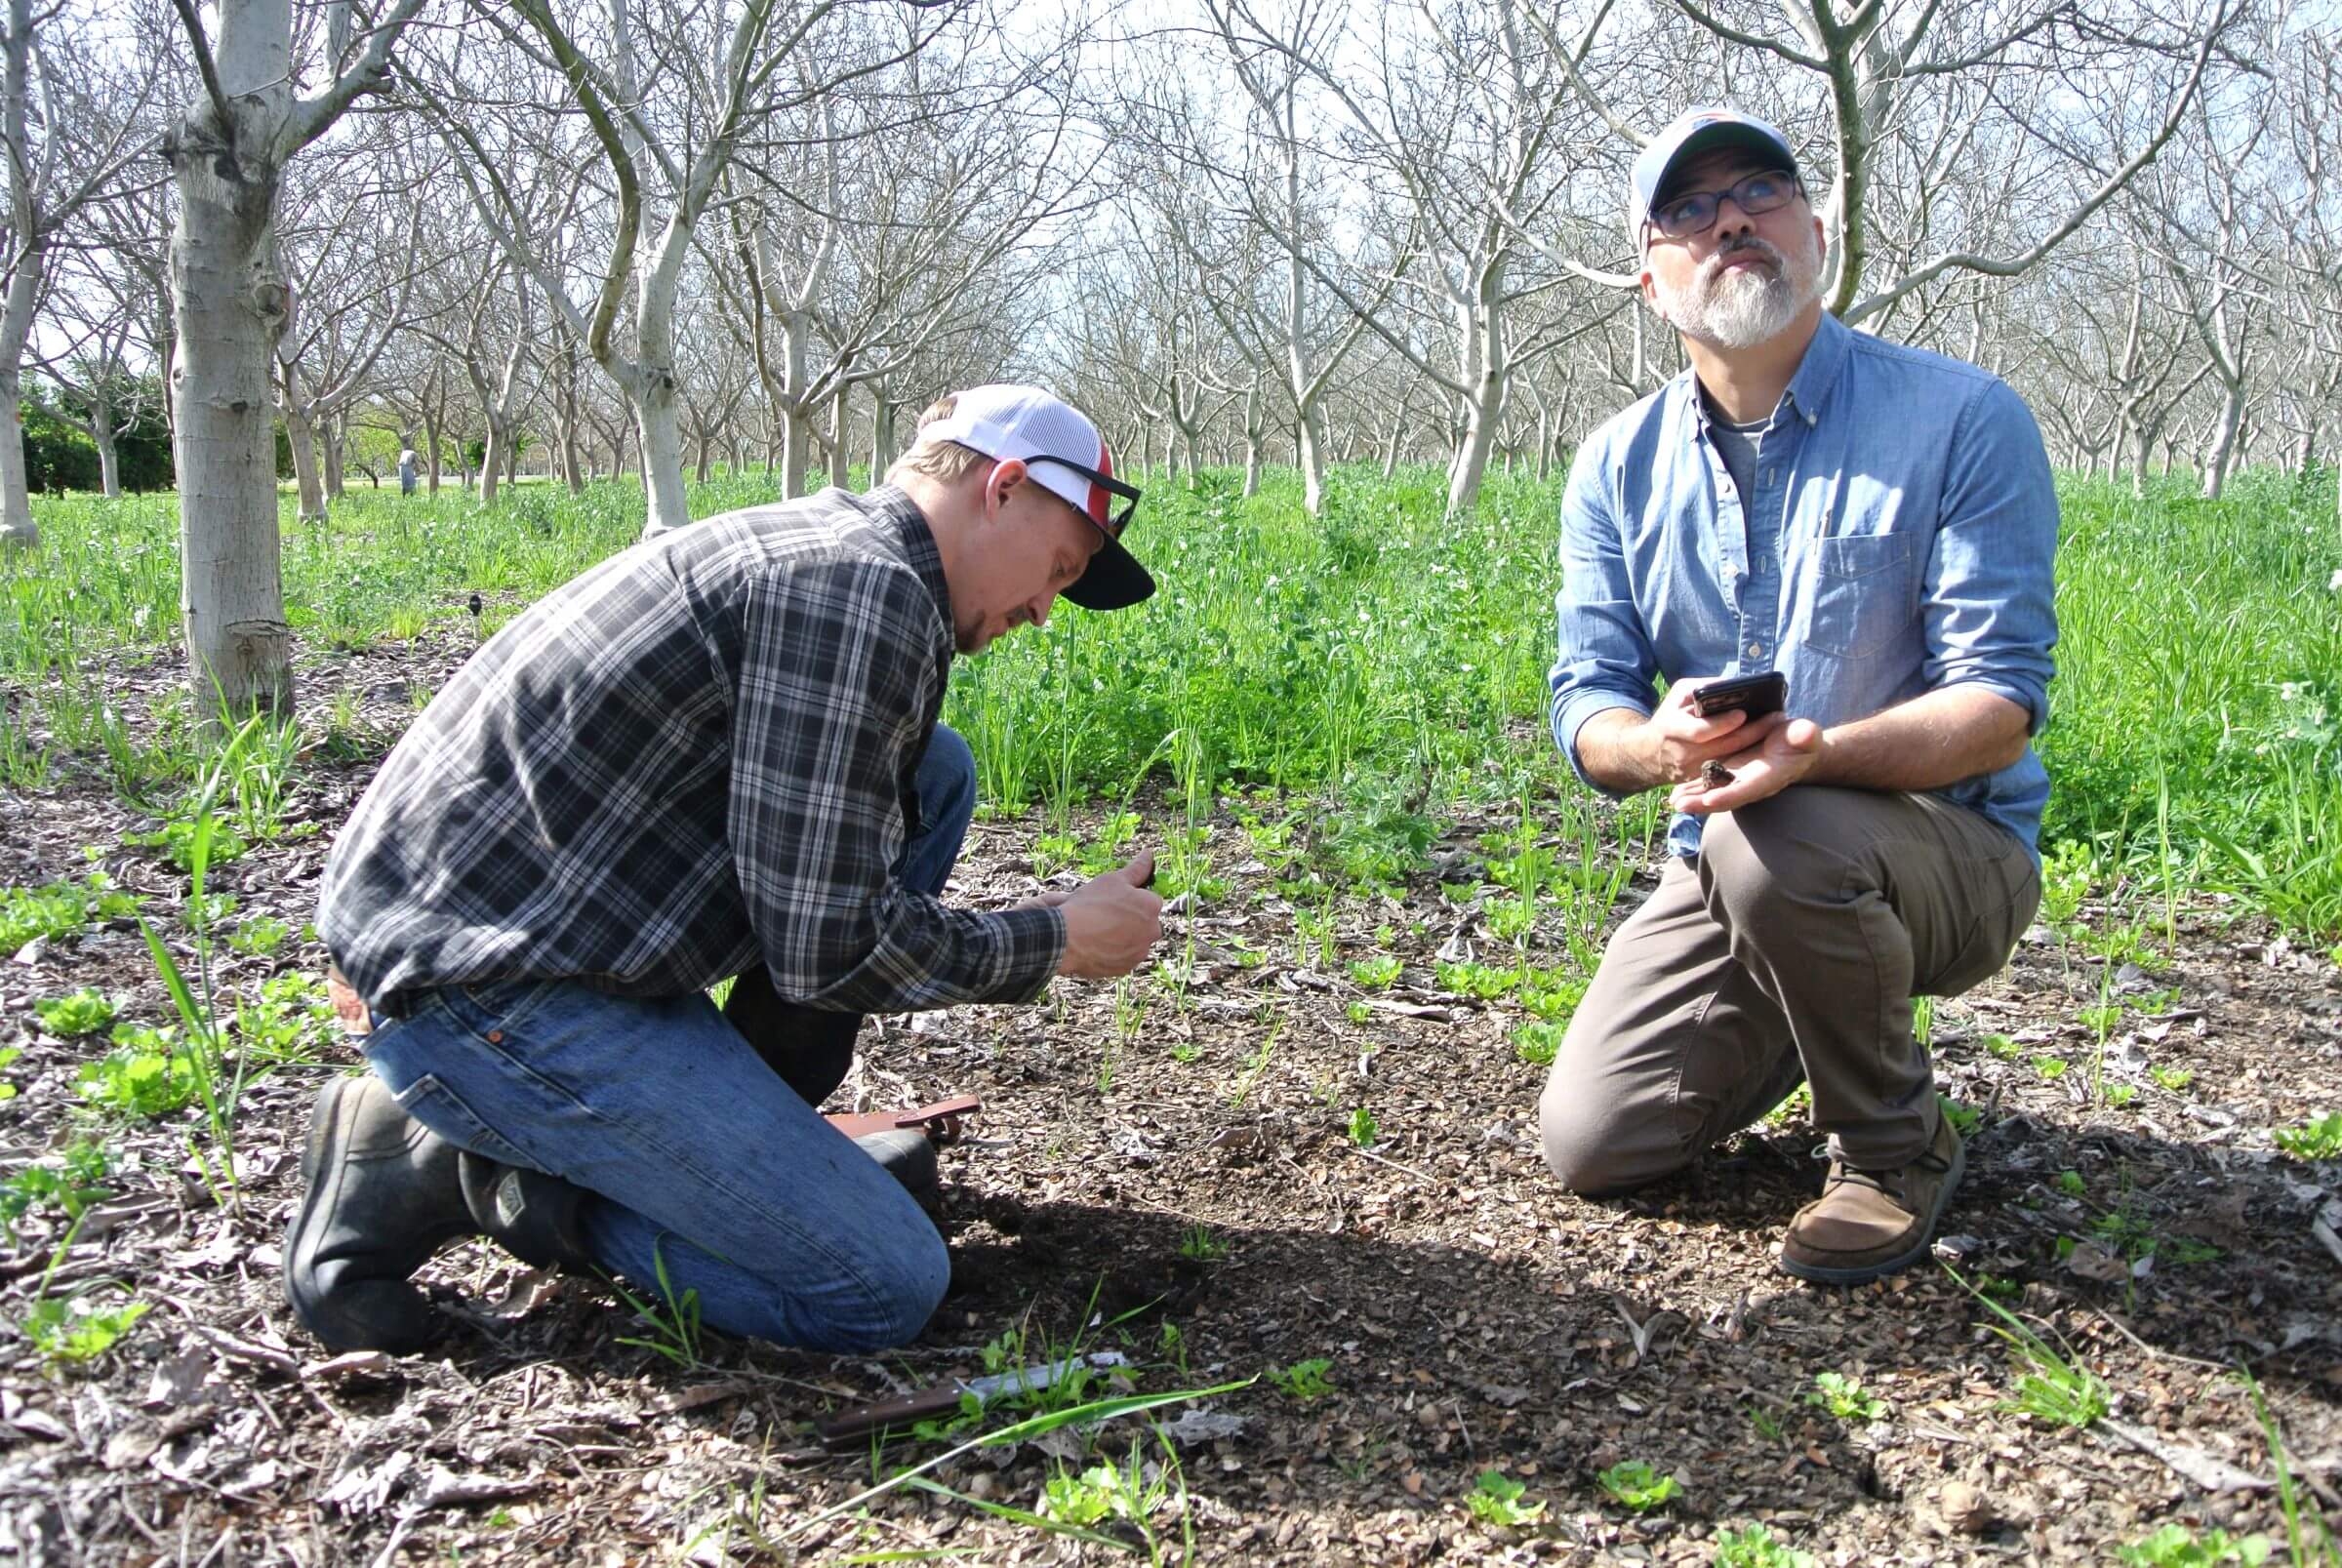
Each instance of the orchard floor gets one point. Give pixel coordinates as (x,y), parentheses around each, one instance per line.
(1473,1316)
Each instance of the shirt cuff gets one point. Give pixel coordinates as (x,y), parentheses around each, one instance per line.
(1032,943)
(1570,716)
(2031,699)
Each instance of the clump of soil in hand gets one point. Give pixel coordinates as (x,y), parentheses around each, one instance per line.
(1713,775)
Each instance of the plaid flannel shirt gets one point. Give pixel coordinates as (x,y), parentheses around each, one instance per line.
(696,757)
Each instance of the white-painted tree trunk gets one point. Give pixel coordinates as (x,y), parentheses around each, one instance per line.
(229,307)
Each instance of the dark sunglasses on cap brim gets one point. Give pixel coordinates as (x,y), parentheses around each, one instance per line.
(1127,493)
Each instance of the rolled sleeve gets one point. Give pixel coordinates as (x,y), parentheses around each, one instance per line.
(1989,597)
(1603,659)
(821,747)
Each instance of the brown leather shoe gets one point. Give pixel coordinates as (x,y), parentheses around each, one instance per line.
(1872,1223)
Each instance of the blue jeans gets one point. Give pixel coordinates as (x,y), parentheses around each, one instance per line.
(701,1157)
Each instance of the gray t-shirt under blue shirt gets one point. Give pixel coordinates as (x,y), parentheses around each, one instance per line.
(1737,445)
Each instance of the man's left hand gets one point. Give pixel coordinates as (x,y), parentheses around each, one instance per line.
(1787,755)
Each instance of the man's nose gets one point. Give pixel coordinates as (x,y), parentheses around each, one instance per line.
(1037,612)
(1730,219)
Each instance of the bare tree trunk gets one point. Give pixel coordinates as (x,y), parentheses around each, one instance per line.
(2223,446)
(838,455)
(1255,422)
(230,304)
(303,438)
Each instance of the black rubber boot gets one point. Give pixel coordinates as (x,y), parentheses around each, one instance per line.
(810,1049)
(382,1195)
(536,1218)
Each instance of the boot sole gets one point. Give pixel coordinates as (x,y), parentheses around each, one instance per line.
(1866,1273)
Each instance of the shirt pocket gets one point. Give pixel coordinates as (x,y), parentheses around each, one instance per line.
(1862,594)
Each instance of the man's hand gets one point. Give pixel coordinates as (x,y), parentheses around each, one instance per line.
(1628,752)
(1110,921)
(1786,754)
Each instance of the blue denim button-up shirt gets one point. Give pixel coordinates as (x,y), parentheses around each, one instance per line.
(1899,536)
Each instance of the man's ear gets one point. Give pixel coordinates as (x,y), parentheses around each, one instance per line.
(1005,477)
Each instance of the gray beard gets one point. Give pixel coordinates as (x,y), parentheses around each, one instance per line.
(1745,307)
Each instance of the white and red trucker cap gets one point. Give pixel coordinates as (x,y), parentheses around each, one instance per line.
(1066,454)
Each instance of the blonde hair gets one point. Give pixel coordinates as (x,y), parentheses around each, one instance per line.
(941,460)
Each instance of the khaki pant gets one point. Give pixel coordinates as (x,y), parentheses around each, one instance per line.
(1791,947)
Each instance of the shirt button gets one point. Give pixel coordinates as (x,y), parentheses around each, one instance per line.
(495,1036)
(1755,650)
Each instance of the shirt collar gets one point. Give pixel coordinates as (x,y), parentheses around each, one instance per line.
(918,541)
(1817,372)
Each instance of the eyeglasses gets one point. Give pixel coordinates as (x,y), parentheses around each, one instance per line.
(1685,215)
(1129,492)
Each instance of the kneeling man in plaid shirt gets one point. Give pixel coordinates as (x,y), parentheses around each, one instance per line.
(714,755)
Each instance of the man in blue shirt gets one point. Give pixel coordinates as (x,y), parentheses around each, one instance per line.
(1878,524)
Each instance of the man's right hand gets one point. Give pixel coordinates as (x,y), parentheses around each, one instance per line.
(1110,921)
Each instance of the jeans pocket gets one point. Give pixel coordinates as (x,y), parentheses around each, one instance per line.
(431,1101)
(1862,594)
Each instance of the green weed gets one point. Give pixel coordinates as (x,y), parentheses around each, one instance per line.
(2320,1139)
(1362,1129)
(85,1012)
(2052,1387)
(1197,1244)
(68,1182)
(1845,1398)
(149,1073)
(673,1320)
(1376,973)
(259,937)
(1637,1488)
(1538,1044)
(1305,1380)
(1497,1499)
(2175,1545)
(1755,1548)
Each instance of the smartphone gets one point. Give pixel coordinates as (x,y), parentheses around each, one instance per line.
(1757,694)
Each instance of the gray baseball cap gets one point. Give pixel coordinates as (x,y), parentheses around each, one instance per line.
(1694,132)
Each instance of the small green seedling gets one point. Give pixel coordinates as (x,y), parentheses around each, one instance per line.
(65,1331)
(1080,1500)
(2050,1068)
(1538,1044)
(1637,1487)
(148,1074)
(1197,1244)
(1359,1013)
(2317,1140)
(1964,1119)
(1845,1398)
(2175,1545)
(1305,1380)
(2071,1183)
(70,1185)
(1362,1129)
(1767,1426)
(85,1012)
(2054,1389)
(259,937)
(1377,973)
(2001,1046)
(1755,1548)
(1497,1499)
(2175,1079)
(1552,996)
